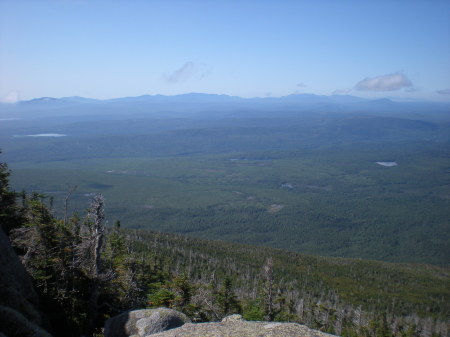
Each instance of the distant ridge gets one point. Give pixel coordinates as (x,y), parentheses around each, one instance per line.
(52,100)
(180,105)
(199,97)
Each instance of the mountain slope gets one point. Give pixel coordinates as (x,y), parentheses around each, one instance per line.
(317,286)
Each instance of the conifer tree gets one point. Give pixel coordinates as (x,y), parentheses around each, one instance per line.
(10,216)
(227,299)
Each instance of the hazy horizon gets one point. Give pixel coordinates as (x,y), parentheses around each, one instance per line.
(388,97)
(103,49)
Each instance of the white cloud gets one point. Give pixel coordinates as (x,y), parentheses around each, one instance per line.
(188,71)
(301,85)
(11,97)
(182,74)
(444,92)
(390,82)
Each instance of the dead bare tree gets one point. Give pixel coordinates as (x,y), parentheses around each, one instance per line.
(268,273)
(92,233)
(97,215)
(66,202)
(89,249)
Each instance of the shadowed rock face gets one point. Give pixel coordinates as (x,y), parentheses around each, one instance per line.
(19,303)
(235,326)
(16,289)
(140,323)
(13,323)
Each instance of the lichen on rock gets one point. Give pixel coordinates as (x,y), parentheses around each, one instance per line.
(145,322)
(235,326)
(233,318)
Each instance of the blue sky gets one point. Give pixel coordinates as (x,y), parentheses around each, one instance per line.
(106,49)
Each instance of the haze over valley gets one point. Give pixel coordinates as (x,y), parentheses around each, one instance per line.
(329,175)
(191,168)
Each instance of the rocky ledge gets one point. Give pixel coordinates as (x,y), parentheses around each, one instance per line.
(145,323)
(235,326)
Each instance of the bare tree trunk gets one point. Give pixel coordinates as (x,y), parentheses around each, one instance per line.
(89,256)
(97,214)
(66,202)
(268,270)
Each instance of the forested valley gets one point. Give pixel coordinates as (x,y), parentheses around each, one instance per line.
(305,179)
(224,168)
(85,272)
(331,211)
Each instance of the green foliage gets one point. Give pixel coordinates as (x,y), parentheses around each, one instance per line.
(335,202)
(162,297)
(340,295)
(208,280)
(227,299)
(254,311)
(47,249)
(379,327)
(10,213)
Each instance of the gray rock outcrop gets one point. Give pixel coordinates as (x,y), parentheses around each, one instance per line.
(145,322)
(171,323)
(19,304)
(13,323)
(235,326)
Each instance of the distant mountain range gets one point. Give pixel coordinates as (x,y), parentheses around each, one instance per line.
(201,97)
(207,103)
(298,172)
(300,99)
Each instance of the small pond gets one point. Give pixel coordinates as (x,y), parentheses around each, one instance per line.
(387,163)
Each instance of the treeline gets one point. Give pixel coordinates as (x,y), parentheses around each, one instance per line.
(341,296)
(86,272)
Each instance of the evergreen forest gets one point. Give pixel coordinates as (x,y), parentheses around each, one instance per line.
(330,211)
(85,272)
